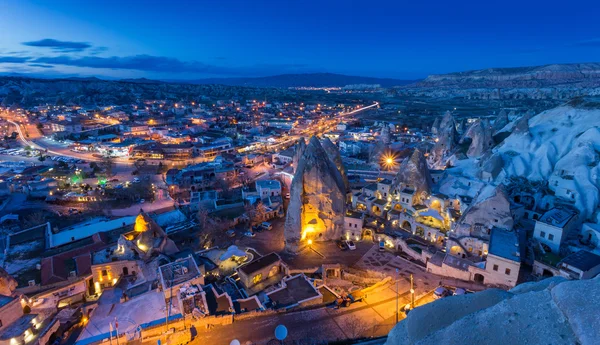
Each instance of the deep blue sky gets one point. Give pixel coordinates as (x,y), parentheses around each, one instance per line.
(195,39)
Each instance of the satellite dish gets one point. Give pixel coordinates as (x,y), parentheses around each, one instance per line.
(235,342)
(281,332)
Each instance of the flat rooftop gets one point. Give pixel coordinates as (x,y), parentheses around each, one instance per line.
(297,289)
(18,327)
(558,217)
(503,244)
(582,260)
(178,272)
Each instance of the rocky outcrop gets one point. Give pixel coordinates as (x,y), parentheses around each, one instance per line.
(334,155)
(446,140)
(522,124)
(491,206)
(480,136)
(436,126)
(500,122)
(414,174)
(317,199)
(552,311)
(8,284)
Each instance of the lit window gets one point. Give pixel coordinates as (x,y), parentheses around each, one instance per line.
(257,278)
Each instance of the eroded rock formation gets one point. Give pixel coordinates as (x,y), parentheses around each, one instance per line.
(298,152)
(317,199)
(446,140)
(334,155)
(500,122)
(480,135)
(414,174)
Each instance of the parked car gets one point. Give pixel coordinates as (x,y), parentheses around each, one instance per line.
(350,245)
(440,292)
(142,201)
(257,228)
(382,246)
(341,244)
(136,180)
(230,233)
(249,234)
(287,195)
(267,226)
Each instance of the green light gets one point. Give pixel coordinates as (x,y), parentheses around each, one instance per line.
(102,181)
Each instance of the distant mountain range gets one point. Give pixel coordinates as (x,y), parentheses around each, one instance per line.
(302,80)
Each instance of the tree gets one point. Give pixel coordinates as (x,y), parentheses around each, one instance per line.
(108,164)
(256,213)
(202,217)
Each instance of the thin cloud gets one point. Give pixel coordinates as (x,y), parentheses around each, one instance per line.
(14,59)
(40,65)
(59,46)
(162,64)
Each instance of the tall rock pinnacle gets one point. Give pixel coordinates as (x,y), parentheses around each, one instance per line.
(317,201)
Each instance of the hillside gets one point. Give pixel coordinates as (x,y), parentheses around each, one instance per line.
(557,82)
(84,91)
(581,75)
(560,147)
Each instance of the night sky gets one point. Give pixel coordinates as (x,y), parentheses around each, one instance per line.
(198,39)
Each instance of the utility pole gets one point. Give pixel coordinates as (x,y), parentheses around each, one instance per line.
(397,293)
(412,292)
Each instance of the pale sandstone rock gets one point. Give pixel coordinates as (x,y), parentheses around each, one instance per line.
(317,199)
(414,174)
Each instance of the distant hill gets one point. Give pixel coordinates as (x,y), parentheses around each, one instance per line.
(300,80)
(575,75)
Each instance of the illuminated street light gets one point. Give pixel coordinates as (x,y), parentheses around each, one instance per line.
(388,161)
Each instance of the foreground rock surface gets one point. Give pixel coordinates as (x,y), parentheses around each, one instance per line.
(552,311)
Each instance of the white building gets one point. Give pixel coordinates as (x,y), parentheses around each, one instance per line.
(503,262)
(554,227)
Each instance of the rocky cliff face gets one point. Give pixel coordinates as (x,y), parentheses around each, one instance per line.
(414,174)
(334,155)
(552,311)
(317,199)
